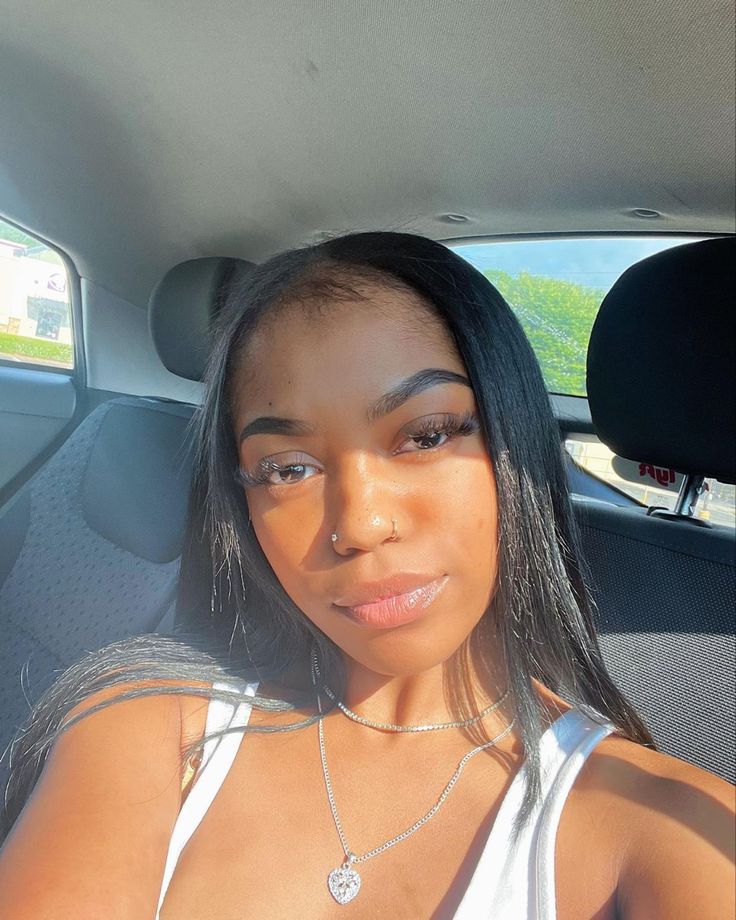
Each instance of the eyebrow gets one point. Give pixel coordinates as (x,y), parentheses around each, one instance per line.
(272,424)
(417,383)
(384,405)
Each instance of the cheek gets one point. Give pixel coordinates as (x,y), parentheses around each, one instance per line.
(466,518)
(287,533)
(466,490)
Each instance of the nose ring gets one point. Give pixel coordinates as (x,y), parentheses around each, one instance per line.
(392,538)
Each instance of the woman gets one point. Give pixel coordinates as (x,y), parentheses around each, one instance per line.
(381,542)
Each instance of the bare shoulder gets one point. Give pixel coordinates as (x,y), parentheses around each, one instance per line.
(188,709)
(672,826)
(97,825)
(616,762)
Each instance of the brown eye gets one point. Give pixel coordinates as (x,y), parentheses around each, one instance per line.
(270,473)
(433,432)
(289,474)
(430,440)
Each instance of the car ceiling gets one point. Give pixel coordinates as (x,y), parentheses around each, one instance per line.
(137,135)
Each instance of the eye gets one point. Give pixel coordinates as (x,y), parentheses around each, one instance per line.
(288,474)
(270,473)
(430,440)
(434,431)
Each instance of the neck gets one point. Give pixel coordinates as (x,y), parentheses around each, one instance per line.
(450,691)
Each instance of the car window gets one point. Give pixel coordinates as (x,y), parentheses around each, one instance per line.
(653,486)
(555,286)
(35,307)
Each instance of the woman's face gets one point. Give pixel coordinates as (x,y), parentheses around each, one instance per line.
(351,418)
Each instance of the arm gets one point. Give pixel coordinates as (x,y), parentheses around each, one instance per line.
(92,839)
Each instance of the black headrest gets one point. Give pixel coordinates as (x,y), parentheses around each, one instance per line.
(182,307)
(662,361)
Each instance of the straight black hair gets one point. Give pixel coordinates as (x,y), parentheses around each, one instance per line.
(235,619)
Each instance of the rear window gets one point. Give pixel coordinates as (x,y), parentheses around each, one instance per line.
(35,308)
(555,287)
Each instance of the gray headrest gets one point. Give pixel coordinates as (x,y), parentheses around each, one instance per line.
(662,361)
(182,308)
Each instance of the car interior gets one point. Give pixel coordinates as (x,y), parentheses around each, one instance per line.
(156,152)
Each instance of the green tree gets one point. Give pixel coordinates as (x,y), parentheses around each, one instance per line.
(12,234)
(557,317)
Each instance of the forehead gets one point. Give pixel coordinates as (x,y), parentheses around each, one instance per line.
(354,347)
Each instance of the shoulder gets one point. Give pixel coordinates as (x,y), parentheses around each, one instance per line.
(649,780)
(161,701)
(671,825)
(183,703)
(110,786)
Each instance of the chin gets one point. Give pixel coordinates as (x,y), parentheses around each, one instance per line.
(404,652)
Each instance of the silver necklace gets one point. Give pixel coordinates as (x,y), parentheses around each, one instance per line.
(390,727)
(432,727)
(344,882)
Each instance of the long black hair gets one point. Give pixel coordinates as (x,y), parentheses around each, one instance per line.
(236,620)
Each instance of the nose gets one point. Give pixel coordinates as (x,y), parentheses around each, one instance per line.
(363,508)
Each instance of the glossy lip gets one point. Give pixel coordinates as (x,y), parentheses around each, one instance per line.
(384,611)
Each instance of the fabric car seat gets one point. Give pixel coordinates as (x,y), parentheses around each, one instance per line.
(661,381)
(90,545)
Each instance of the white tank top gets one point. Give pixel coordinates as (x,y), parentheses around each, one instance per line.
(510,882)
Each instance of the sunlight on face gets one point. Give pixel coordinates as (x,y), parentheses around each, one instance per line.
(322,452)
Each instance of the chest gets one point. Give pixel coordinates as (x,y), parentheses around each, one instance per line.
(268,842)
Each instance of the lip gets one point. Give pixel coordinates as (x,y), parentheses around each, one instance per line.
(394,602)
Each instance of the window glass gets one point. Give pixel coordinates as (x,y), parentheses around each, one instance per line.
(655,487)
(555,287)
(35,308)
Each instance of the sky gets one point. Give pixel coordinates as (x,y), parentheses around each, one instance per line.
(594,261)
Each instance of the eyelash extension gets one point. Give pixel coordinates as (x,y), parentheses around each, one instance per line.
(263,471)
(451,425)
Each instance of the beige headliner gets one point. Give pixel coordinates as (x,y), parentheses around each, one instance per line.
(138,134)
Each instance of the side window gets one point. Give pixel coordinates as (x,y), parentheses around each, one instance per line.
(35,306)
(653,486)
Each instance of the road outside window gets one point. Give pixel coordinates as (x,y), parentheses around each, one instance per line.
(35,308)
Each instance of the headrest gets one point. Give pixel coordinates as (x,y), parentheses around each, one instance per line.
(662,361)
(182,308)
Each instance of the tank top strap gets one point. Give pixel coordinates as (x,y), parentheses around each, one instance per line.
(580,736)
(217,758)
(515,876)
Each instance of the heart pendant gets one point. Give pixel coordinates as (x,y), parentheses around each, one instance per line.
(344,884)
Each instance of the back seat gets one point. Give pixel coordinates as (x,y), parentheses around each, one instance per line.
(90,545)
(662,389)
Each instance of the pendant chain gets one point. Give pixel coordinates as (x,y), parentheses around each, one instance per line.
(350,857)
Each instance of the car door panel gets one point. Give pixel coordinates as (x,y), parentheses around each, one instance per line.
(35,406)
